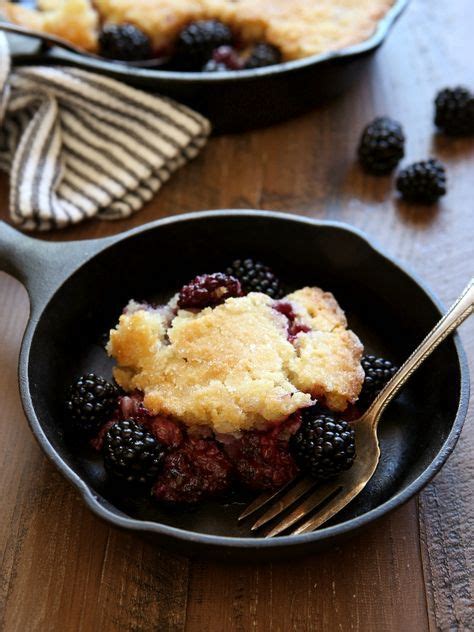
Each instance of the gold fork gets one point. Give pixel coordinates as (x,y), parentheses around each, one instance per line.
(337,493)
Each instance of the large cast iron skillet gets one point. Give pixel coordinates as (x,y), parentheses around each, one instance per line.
(77,291)
(235,101)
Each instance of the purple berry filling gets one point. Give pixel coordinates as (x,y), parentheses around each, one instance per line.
(294,327)
(208,290)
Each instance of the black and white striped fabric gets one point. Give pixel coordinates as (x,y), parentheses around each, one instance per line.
(80,145)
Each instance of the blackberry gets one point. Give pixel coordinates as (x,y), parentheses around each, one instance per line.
(381,146)
(256,277)
(378,372)
(223,58)
(214,66)
(91,401)
(197,41)
(208,290)
(131,453)
(124,42)
(454,111)
(423,181)
(263,54)
(324,446)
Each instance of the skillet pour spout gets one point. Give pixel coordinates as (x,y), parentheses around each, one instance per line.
(78,289)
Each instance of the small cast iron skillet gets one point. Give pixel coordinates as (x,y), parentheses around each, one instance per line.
(237,100)
(77,291)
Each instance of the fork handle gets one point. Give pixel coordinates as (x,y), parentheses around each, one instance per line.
(462,309)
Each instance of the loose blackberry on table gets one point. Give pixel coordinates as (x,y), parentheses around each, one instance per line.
(382,146)
(454,111)
(378,371)
(423,181)
(90,402)
(124,42)
(131,453)
(324,446)
(256,277)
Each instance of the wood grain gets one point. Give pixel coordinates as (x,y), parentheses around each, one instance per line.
(62,569)
(359,586)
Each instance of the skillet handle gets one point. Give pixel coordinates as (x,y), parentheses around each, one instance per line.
(40,265)
(18,253)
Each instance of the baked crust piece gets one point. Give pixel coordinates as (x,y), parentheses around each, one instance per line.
(73,20)
(233,367)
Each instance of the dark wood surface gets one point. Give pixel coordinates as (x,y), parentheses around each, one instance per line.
(62,569)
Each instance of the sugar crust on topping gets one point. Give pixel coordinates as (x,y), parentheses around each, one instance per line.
(300,28)
(327,362)
(74,20)
(232,367)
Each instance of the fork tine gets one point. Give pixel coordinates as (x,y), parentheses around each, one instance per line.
(328,511)
(263,499)
(286,501)
(259,502)
(320,495)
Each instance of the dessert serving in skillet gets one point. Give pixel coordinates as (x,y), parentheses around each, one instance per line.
(228,385)
(224,63)
(209,35)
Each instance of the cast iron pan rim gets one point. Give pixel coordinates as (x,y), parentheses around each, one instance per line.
(381,32)
(92,500)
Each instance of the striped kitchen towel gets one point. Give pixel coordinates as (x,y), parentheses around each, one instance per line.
(80,145)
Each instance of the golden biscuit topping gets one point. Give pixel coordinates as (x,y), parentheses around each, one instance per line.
(74,20)
(233,367)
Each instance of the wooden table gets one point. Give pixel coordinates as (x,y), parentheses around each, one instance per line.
(64,570)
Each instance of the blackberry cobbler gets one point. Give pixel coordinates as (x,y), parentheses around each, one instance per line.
(230,384)
(210,35)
